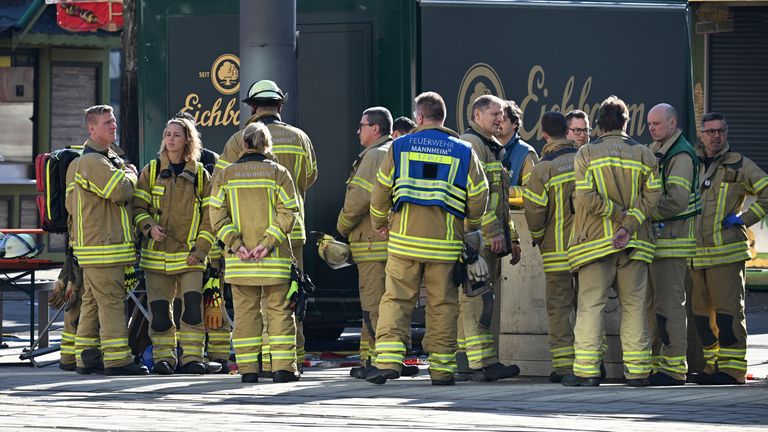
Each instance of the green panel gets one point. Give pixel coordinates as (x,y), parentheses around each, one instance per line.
(394,44)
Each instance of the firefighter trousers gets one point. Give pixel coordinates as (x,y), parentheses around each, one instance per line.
(721,289)
(102,316)
(219,339)
(630,280)
(247,336)
(475,315)
(403,282)
(161,292)
(68,333)
(667,320)
(372,281)
(561,294)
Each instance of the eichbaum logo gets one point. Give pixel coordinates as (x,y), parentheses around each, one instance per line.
(479,80)
(225,74)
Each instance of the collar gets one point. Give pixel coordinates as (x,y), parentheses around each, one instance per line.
(476,127)
(615,133)
(724,152)
(436,127)
(663,147)
(108,152)
(378,143)
(557,145)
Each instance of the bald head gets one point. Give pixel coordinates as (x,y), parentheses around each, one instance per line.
(662,122)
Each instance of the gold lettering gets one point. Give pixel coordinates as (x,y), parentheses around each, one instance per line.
(213,116)
(532,97)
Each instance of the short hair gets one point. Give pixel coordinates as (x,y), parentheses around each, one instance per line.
(431,105)
(513,113)
(257,136)
(612,114)
(483,102)
(714,116)
(381,117)
(403,124)
(194,146)
(577,113)
(554,124)
(92,112)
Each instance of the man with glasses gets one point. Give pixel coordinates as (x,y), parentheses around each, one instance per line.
(578,127)
(475,313)
(672,221)
(726,178)
(369,248)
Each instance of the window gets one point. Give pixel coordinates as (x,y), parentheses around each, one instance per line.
(17,107)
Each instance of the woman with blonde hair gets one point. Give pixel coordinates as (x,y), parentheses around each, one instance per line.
(170,207)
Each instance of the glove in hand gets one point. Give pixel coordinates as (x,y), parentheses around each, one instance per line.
(732,220)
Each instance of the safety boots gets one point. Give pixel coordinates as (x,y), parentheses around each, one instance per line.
(495,372)
(380,376)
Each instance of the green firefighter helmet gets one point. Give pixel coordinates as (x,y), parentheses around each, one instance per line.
(265,90)
(335,253)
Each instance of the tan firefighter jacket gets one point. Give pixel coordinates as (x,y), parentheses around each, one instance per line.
(354,221)
(253,202)
(291,148)
(496,220)
(427,233)
(179,204)
(725,185)
(617,185)
(548,203)
(101,209)
(672,220)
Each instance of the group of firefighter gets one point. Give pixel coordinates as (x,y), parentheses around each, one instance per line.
(426,213)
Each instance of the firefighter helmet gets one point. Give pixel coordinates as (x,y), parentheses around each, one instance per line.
(335,253)
(264,90)
(18,246)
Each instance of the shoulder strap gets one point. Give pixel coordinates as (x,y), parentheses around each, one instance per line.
(516,159)
(199,179)
(680,146)
(153,164)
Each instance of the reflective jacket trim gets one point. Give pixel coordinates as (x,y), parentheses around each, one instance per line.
(363,183)
(420,247)
(585,253)
(720,255)
(122,253)
(268,267)
(369,251)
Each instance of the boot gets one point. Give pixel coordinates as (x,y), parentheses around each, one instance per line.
(444,382)
(575,381)
(250,378)
(638,382)
(463,372)
(361,372)
(662,379)
(212,367)
(163,367)
(193,368)
(224,366)
(555,377)
(68,367)
(721,378)
(284,376)
(409,370)
(380,376)
(129,369)
(92,359)
(495,372)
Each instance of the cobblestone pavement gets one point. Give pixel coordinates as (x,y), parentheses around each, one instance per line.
(328,399)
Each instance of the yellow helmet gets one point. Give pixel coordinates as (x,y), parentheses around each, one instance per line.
(264,90)
(335,253)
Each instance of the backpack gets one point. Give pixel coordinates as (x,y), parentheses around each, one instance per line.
(51,179)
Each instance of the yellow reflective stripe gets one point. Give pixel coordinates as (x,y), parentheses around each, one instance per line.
(226,230)
(277,233)
(637,214)
(385,178)
(540,200)
(139,218)
(719,214)
(363,183)
(618,162)
(282,340)
(143,195)
(760,185)
(206,235)
(116,178)
(369,251)
(378,213)
(719,255)
(247,342)
(680,181)
(251,183)
(222,163)
(559,180)
(345,222)
(755,207)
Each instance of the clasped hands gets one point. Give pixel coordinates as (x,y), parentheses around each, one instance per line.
(256,254)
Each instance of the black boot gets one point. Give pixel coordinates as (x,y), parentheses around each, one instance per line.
(638,382)
(409,370)
(662,379)
(495,372)
(224,366)
(193,368)
(380,376)
(93,361)
(284,376)
(129,369)
(163,367)
(555,377)
(250,378)
(444,382)
(67,367)
(721,378)
(212,367)
(361,372)
(575,381)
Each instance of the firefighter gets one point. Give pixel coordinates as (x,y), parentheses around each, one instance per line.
(170,209)
(616,190)
(475,313)
(549,212)
(672,222)
(727,178)
(369,248)
(425,237)
(578,127)
(103,243)
(292,149)
(253,208)
(519,157)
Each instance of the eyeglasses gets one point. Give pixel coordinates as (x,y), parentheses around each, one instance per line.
(579,131)
(360,125)
(713,132)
